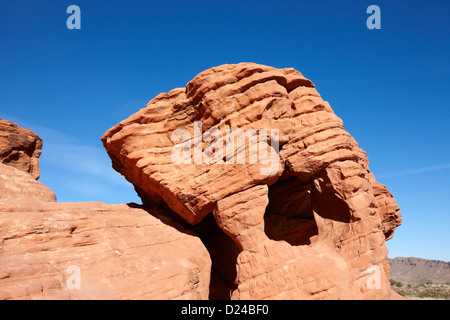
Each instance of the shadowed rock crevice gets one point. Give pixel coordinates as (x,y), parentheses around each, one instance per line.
(223,252)
(289,215)
(327,202)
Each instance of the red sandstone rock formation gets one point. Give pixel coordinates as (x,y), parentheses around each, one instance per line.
(313,226)
(20,148)
(308,222)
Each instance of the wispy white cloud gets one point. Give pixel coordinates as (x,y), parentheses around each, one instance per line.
(414,171)
(70,153)
(80,158)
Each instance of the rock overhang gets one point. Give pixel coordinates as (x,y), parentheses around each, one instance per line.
(255,100)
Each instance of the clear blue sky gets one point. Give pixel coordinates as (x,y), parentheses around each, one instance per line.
(390,86)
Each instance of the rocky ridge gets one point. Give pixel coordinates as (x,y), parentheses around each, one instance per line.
(417,270)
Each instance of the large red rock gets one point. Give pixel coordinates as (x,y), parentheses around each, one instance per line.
(20,148)
(308,221)
(97,251)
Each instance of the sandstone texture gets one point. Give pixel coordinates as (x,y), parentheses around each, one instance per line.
(307,218)
(118,252)
(20,148)
(52,250)
(16,184)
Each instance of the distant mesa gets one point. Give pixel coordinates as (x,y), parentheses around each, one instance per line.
(420,279)
(417,270)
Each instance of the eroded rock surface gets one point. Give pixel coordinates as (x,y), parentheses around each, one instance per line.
(20,148)
(118,252)
(16,184)
(307,215)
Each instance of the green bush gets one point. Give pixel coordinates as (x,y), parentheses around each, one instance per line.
(395,283)
(434,293)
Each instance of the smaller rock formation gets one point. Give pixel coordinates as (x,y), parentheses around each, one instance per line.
(20,148)
(16,184)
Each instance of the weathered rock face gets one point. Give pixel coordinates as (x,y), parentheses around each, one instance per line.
(345,259)
(307,216)
(97,251)
(16,184)
(20,148)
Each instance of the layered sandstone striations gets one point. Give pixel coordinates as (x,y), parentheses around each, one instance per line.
(307,218)
(118,252)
